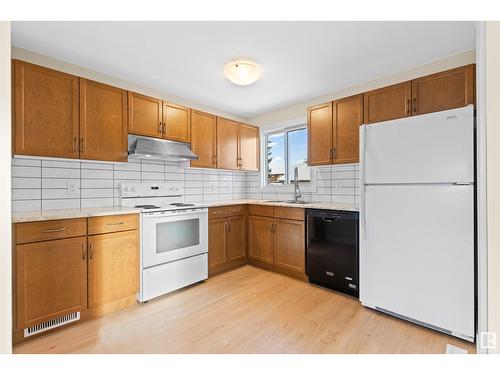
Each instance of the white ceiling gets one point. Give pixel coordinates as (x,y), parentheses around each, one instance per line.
(300,60)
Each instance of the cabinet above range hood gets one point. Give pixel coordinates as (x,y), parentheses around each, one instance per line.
(159,149)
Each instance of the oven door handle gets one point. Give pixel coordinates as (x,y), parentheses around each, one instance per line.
(176,214)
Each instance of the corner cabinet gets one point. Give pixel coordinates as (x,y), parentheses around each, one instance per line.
(103,122)
(237,145)
(204,139)
(45,111)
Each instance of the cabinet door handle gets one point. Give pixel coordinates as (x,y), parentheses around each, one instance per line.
(91,250)
(334,153)
(164,128)
(53,230)
(160,127)
(82,144)
(83,251)
(214,160)
(75,142)
(229,227)
(414,105)
(408,106)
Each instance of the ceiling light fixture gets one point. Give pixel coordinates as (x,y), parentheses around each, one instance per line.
(242,72)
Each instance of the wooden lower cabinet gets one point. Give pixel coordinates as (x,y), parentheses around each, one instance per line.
(51,280)
(113,267)
(89,271)
(217,244)
(236,238)
(226,240)
(278,244)
(260,240)
(289,244)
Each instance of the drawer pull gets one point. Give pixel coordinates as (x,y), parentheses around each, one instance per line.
(119,223)
(53,230)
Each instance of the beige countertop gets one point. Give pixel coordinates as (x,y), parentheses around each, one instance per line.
(26,216)
(318,205)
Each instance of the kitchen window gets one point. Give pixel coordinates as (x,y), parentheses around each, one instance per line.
(285,150)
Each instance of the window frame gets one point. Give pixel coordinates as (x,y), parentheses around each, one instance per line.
(305,186)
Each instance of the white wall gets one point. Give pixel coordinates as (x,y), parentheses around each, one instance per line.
(298,111)
(492,58)
(5,223)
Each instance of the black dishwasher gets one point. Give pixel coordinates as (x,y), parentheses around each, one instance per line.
(333,249)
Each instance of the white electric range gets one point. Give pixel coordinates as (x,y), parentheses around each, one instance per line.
(174,237)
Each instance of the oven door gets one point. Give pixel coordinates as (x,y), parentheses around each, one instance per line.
(171,236)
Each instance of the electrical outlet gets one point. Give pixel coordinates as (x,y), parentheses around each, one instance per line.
(70,188)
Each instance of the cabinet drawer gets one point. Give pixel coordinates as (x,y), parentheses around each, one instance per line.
(238,210)
(50,230)
(261,210)
(290,213)
(217,212)
(113,223)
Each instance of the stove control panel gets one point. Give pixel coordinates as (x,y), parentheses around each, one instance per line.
(146,189)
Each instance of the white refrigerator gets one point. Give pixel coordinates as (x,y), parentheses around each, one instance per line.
(417,231)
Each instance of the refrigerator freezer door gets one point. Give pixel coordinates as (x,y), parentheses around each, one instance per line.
(417,257)
(432,148)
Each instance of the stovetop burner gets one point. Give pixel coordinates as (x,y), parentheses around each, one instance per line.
(182,204)
(147,206)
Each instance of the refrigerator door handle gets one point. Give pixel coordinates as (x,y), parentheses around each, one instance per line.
(362,149)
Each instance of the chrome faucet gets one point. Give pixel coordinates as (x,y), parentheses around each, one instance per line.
(296,188)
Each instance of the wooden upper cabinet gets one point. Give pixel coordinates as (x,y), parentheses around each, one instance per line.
(347,118)
(51,280)
(445,90)
(113,267)
(177,122)
(145,115)
(249,148)
(387,103)
(45,111)
(320,138)
(227,143)
(103,122)
(204,139)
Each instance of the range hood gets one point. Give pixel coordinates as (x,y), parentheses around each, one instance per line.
(159,149)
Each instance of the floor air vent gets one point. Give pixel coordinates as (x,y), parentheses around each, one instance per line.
(404,317)
(50,324)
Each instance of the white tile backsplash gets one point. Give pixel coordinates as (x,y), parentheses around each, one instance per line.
(44,183)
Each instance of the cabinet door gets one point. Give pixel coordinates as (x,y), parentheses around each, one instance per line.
(236,238)
(177,122)
(347,117)
(45,112)
(204,139)
(217,243)
(387,103)
(445,90)
(260,238)
(113,266)
(249,148)
(227,143)
(145,115)
(103,122)
(320,137)
(289,244)
(51,280)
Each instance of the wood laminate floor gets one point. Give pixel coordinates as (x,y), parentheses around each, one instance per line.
(247,310)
